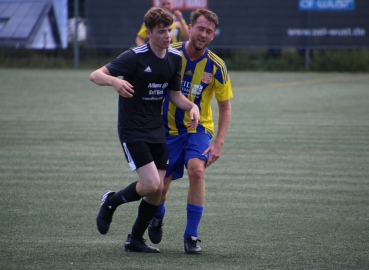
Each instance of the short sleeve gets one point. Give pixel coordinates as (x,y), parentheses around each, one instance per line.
(142,32)
(175,82)
(124,65)
(222,85)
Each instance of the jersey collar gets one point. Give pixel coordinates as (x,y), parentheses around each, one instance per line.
(186,56)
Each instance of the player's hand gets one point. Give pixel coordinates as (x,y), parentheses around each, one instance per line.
(178,15)
(195,117)
(213,152)
(123,88)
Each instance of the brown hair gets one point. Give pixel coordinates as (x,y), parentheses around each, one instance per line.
(158,16)
(209,15)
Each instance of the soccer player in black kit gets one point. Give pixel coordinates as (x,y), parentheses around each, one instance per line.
(148,71)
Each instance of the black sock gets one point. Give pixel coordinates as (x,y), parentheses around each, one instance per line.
(129,194)
(146,212)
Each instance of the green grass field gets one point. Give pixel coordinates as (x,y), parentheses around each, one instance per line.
(290,191)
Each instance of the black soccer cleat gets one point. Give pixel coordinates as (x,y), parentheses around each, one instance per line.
(133,245)
(191,245)
(105,215)
(155,231)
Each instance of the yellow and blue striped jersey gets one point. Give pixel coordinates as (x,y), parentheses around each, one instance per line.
(201,80)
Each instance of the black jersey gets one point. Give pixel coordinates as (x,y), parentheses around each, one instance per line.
(139,117)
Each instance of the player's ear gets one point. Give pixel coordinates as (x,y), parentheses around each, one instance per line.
(148,33)
(213,36)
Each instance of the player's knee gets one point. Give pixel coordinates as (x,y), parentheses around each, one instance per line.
(152,187)
(196,175)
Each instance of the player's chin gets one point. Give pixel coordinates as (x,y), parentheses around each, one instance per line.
(200,45)
(199,48)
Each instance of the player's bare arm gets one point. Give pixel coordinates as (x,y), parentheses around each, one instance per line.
(182,25)
(183,103)
(214,150)
(102,77)
(139,41)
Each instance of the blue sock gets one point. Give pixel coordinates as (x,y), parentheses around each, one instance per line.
(161,212)
(194,214)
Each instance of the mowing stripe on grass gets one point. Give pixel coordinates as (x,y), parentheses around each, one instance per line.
(297,83)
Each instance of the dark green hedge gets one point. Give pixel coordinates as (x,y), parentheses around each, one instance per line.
(341,60)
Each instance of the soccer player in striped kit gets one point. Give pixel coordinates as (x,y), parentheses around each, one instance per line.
(203,75)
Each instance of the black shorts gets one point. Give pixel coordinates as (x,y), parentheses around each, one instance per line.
(139,154)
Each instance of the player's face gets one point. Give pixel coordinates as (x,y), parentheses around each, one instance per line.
(167,4)
(201,33)
(160,36)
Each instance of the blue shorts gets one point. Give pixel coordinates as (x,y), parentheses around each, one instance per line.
(183,147)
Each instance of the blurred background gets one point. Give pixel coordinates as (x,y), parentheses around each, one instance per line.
(284,35)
